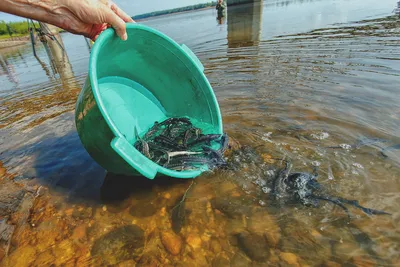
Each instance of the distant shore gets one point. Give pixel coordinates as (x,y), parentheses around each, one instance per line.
(14,41)
(174,11)
(170,14)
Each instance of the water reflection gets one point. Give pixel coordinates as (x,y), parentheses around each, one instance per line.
(59,58)
(244,24)
(49,74)
(8,69)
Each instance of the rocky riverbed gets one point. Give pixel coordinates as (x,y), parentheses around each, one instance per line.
(209,221)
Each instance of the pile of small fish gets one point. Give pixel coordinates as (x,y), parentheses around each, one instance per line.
(177,145)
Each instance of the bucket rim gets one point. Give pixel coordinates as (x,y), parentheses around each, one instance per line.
(110,33)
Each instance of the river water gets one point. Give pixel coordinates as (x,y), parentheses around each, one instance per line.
(310,81)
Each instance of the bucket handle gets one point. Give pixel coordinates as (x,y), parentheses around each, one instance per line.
(136,159)
(193,57)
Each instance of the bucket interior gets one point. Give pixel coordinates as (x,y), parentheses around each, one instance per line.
(130,105)
(147,79)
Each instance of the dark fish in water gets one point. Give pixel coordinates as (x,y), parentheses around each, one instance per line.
(279,188)
(368,142)
(390,148)
(361,143)
(304,188)
(179,212)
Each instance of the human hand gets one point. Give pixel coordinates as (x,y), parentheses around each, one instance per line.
(91,17)
(86,17)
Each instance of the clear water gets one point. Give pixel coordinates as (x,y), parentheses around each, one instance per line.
(293,79)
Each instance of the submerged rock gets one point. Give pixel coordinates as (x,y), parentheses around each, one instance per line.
(171,242)
(11,196)
(79,232)
(119,245)
(194,241)
(240,260)
(215,246)
(6,231)
(254,246)
(220,262)
(289,258)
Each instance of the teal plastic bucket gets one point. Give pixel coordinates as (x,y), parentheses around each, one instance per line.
(134,83)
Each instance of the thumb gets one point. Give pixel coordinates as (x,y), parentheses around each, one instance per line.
(117,23)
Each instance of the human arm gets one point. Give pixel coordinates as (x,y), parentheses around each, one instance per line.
(86,17)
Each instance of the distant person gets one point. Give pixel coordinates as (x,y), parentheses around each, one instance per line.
(85,17)
(220,7)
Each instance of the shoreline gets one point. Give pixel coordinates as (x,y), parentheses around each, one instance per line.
(9,42)
(175,13)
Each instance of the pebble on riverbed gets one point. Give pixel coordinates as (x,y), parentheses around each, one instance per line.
(171,242)
(220,261)
(289,258)
(79,233)
(255,246)
(194,241)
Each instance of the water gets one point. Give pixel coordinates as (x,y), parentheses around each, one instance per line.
(310,81)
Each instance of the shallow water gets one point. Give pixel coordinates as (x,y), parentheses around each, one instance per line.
(310,81)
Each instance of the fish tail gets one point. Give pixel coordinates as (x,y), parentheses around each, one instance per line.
(335,201)
(136,133)
(368,211)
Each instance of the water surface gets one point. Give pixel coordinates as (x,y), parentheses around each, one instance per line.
(292,78)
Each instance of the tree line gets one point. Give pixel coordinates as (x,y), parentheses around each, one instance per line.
(15,28)
(174,10)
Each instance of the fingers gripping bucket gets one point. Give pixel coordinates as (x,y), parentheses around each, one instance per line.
(132,84)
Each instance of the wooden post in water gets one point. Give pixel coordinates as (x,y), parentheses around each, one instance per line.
(239,2)
(89,44)
(245,23)
(58,55)
(32,39)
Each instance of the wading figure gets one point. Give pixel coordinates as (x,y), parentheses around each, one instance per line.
(220,7)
